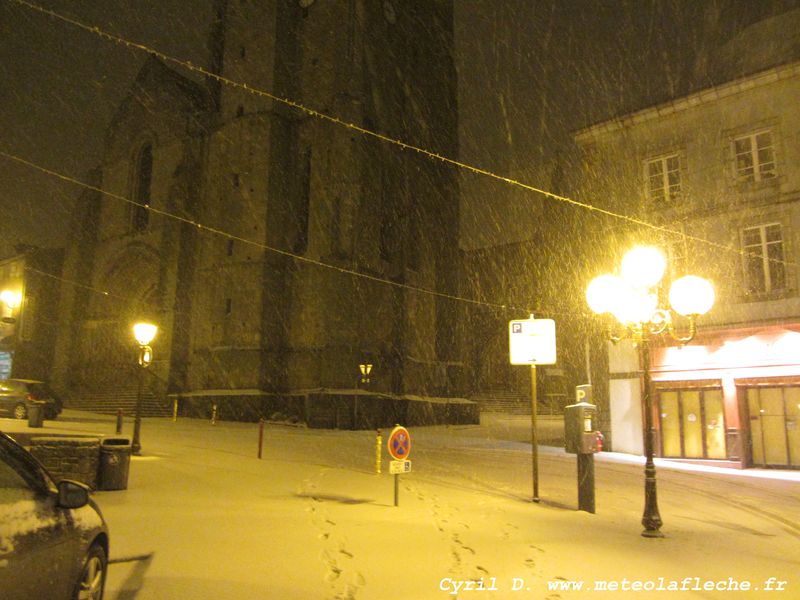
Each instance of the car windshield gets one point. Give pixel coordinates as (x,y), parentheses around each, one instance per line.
(15,459)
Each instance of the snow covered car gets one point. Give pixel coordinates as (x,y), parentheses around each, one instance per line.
(53,538)
(15,394)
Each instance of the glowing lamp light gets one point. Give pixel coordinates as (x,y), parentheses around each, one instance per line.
(634,306)
(602,293)
(643,267)
(144,333)
(691,295)
(10,298)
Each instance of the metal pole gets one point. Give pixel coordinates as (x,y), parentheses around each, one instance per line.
(119,421)
(136,446)
(534,437)
(586,482)
(650,519)
(396,490)
(260,436)
(175,409)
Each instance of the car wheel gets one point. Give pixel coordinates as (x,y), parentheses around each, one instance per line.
(93,575)
(20,411)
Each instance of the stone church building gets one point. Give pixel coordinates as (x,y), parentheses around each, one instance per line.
(278,251)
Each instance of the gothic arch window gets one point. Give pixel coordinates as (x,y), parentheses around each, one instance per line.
(143,176)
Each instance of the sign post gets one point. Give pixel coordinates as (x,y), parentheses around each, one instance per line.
(399,445)
(533,342)
(534,436)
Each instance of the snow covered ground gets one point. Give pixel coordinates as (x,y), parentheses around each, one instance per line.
(204,518)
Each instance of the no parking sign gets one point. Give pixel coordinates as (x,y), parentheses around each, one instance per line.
(399,443)
(399,446)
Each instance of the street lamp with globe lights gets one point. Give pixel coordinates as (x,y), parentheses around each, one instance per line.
(632,298)
(144,333)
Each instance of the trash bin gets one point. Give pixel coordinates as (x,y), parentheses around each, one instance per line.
(35,413)
(115,462)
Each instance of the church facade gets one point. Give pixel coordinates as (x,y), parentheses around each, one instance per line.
(277,251)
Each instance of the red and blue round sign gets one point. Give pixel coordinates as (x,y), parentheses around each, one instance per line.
(399,443)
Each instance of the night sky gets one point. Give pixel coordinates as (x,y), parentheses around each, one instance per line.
(557,65)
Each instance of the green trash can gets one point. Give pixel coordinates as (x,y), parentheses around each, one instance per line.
(115,463)
(35,413)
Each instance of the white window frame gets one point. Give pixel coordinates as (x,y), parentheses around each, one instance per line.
(757,169)
(666,193)
(762,250)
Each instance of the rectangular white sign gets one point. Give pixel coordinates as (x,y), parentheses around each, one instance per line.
(399,466)
(532,342)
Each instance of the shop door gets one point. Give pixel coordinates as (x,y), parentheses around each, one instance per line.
(692,424)
(774,434)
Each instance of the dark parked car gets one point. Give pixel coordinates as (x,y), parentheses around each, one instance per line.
(53,539)
(15,394)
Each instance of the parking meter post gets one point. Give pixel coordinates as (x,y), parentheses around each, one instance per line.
(586,482)
(260,437)
(378,444)
(119,421)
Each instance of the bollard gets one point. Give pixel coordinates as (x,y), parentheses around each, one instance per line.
(214,414)
(119,421)
(378,444)
(260,436)
(175,409)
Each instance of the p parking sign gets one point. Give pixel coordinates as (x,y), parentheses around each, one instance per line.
(532,342)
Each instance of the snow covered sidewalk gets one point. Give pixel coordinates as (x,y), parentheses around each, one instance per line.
(205,519)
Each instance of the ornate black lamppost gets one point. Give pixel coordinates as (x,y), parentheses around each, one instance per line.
(144,334)
(633,300)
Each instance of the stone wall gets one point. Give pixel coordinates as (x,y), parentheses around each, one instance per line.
(333,410)
(75,458)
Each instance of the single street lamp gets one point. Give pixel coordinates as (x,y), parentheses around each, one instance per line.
(144,334)
(632,299)
(366,369)
(12,300)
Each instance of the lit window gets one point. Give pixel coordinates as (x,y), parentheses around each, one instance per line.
(764,269)
(663,178)
(755,156)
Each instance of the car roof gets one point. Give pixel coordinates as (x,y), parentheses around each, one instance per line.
(24,380)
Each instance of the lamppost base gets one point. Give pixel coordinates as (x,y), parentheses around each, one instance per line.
(652,533)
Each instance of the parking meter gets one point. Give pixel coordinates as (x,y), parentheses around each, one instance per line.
(580,432)
(580,437)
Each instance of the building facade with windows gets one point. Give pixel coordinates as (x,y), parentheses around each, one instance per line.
(716,175)
(29,293)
